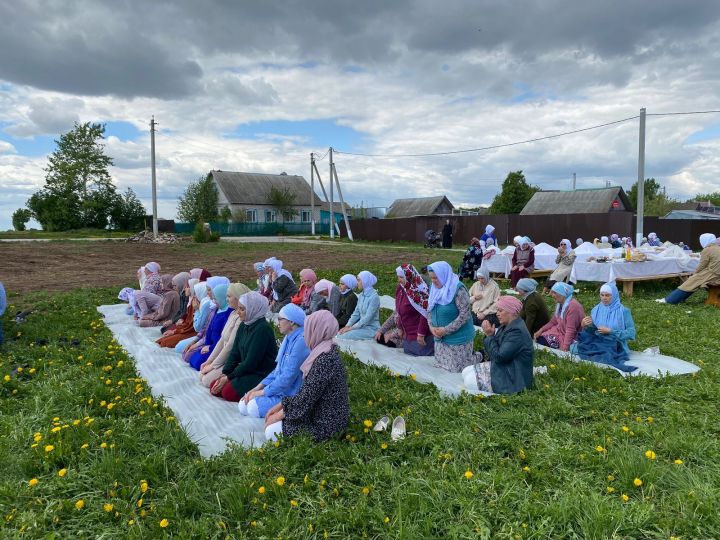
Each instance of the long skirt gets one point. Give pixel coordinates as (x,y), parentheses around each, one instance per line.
(603,351)
(454,358)
(477,377)
(517,275)
(412,348)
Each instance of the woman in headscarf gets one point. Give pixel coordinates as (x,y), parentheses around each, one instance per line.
(308,279)
(523,261)
(490,249)
(606,331)
(579,242)
(195,273)
(408,327)
(321,408)
(201,317)
(286,378)
(603,243)
(615,241)
(211,369)
(153,282)
(208,310)
(204,347)
(348,300)
(471,260)
(534,312)
(564,326)
(252,356)
(127,294)
(450,319)
(365,320)
(266,281)
(169,303)
(184,328)
(282,284)
(260,278)
(447,235)
(653,240)
(509,353)
(483,295)
(489,234)
(565,260)
(706,274)
(326,295)
(181,282)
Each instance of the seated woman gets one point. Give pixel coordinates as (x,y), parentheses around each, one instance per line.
(534,312)
(471,260)
(653,240)
(211,369)
(286,378)
(615,241)
(184,328)
(489,235)
(509,353)
(266,289)
(282,284)
(127,295)
(606,331)
(408,327)
(169,303)
(706,274)
(321,408)
(260,275)
(182,284)
(562,329)
(348,300)
(365,320)
(201,317)
(450,319)
(565,260)
(326,295)
(148,298)
(483,295)
(204,347)
(523,261)
(252,356)
(603,243)
(302,298)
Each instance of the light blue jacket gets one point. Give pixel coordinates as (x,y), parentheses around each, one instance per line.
(367,311)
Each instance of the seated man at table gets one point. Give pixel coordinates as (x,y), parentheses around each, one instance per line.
(706,274)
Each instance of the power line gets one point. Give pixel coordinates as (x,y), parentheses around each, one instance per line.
(430,154)
(681,113)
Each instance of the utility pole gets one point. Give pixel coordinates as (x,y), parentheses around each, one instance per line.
(332,215)
(154,182)
(641,181)
(312,193)
(574,178)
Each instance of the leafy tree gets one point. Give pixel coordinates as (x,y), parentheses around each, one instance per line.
(199,202)
(513,197)
(226,214)
(128,214)
(652,190)
(282,200)
(714,198)
(657,203)
(56,211)
(20,217)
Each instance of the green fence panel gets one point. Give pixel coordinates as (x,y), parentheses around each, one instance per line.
(256,229)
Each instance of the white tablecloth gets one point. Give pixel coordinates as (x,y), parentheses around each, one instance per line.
(501,263)
(610,271)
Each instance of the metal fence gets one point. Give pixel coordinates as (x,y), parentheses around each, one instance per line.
(256,229)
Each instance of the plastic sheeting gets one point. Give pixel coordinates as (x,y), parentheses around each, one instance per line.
(210,422)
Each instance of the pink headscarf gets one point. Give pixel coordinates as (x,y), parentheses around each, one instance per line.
(324,285)
(320,328)
(309,275)
(509,304)
(195,273)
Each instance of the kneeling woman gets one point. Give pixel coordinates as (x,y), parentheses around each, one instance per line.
(365,320)
(510,352)
(286,378)
(606,331)
(254,350)
(202,349)
(562,329)
(321,408)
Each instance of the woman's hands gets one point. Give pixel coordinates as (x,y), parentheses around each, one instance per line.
(276,414)
(488,329)
(218,386)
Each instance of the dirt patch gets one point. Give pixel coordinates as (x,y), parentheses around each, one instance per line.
(62,266)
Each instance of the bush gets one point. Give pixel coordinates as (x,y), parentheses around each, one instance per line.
(20,217)
(203,234)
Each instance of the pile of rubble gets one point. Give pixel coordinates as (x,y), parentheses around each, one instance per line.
(147,237)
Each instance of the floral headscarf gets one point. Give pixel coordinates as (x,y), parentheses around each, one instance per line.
(415,288)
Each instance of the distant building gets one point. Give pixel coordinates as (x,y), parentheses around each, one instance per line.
(247,194)
(694,210)
(579,201)
(423,206)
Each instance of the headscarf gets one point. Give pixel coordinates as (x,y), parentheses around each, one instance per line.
(256,306)
(509,304)
(489,242)
(191,284)
(349,281)
(266,262)
(415,288)
(277,266)
(236,290)
(652,236)
(517,240)
(181,281)
(604,239)
(309,275)
(293,313)
(324,285)
(200,291)
(195,273)
(126,294)
(167,282)
(579,241)
(220,294)
(525,241)
(367,279)
(614,237)
(214,281)
(566,290)
(612,315)
(706,239)
(483,272)
(259,267)
(204,275)
(567,244)
(489,229)
(526,285)
(320,328)
(475,241)
(449,281)
(152,267)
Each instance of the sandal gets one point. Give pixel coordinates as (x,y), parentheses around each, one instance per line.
(382,424)
(398,429)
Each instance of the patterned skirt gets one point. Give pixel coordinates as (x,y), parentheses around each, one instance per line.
(454,358)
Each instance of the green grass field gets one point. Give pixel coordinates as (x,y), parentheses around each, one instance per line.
(62,235)
(87,452)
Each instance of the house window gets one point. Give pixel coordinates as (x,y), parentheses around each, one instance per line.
(305,216)
(270,216)
(251,216)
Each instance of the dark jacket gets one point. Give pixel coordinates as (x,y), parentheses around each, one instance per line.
(511,352)
(252,356)
(285,289)
(321,408)
(348,303)
(534,313)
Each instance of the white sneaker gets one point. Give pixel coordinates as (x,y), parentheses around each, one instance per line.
(398,429)
(382,424)
(660,301)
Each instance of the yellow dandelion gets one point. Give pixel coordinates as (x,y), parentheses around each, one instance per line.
(49,448)
(55,429)
(650,455)
(6,378)
(253,523)
(610,489)
(131,522)
(79,504)
(33,482)
(624,498)
(367,423)
(526,469)
(261,490)
(625,429)
(386,520)
(637,482)
(678,462)
(85,446)
(62,472)
(610,477)
(293,503)
(140,502)
(108,507)
(280,481)
(468,474)
(384,446)
(143,486)
(103,445)
(650,419)
(164,523)
(599,448)
(366,490)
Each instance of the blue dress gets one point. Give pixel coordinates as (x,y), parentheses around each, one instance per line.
(611,349)
(212,336)
(365,320)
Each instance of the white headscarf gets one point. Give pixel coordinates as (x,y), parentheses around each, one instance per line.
(349,281)
(449,281)
(604,239)
(579,241)
(277,266)
(200,290)
(517,240)
(489,229)
(706,239)
(191,283)
(256,306)
(568,246)
(367,279)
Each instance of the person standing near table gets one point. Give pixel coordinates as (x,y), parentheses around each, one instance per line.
(447,235)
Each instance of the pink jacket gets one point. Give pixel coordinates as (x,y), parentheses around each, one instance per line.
(567,327)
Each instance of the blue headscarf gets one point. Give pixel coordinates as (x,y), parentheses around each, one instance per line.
(566,290)
(612,315)
(220,294)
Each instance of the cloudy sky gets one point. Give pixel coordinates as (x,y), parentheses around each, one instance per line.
(257,86)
